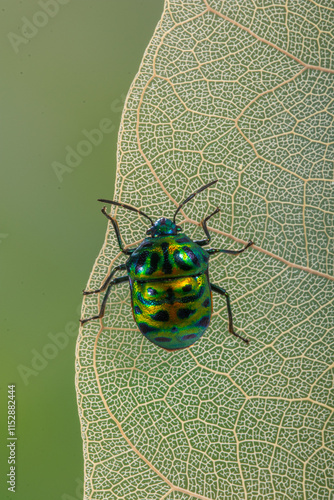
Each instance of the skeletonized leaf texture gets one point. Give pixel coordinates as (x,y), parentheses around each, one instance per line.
(241,92)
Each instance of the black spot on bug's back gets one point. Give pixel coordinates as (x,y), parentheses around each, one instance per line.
(191,255)
(160,316)
(151,291)
(180,262)
(206,302)
(167,266)
(189,336)
(141,261)
(145,328)
(155,257)
(137,310)
(174,329)
(162,339)
(193,298)
(187,288)
(170,296)
(203,321)
(185,313)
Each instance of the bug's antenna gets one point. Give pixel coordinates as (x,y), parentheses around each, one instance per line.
(192,196)
(129,207)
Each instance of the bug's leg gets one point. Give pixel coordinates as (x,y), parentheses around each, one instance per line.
(115,281)
(233,252)
(201,243)
(117,231)
(106,281)
(224,293)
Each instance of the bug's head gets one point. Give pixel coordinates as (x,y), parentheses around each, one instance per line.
(163,227)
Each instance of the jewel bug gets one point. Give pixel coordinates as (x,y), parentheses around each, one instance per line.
(171,293)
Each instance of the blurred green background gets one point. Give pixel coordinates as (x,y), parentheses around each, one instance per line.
(66,66)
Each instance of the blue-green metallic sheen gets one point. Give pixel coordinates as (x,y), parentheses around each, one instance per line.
(170,289)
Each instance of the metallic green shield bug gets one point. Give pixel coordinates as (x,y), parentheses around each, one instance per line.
(168,274)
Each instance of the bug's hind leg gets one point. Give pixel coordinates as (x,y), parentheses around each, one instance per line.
(115,281)
(233,252)
(224,293)
(106,281)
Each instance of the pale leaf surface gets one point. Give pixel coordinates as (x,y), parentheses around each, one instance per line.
(241,92)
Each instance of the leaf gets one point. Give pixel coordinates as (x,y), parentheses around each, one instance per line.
(242,93)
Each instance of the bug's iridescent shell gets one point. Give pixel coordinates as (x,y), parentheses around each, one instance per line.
(170,290)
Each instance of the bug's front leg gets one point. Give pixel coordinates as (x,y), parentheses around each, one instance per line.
(224,293)
(114,222)
(233,252)
(106,281)
(207,240)
(121,279)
